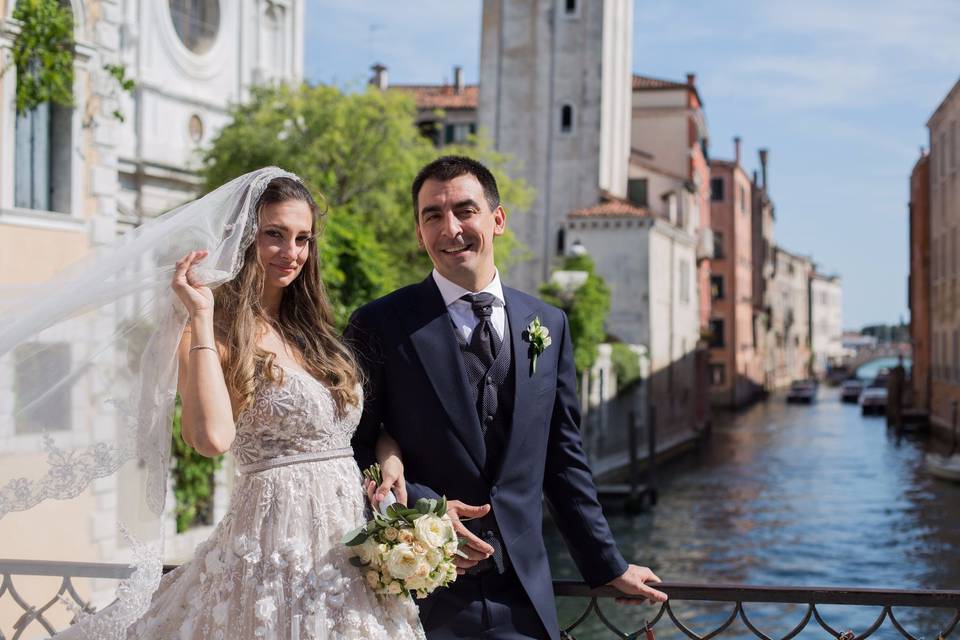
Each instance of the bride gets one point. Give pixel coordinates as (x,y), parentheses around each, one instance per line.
(261,373)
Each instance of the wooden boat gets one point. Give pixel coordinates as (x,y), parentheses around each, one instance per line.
(944,467)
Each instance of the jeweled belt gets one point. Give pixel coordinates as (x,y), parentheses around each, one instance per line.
(296,458)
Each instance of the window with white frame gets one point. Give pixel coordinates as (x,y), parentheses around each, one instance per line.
(42,156)
(41,168)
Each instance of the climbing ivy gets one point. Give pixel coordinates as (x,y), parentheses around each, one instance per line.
(43,54)
(119,73)
(587,309)
(626,364)
(193,480)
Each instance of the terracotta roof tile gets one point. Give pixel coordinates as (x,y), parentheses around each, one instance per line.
(612,207)
(646,82)
(441,96)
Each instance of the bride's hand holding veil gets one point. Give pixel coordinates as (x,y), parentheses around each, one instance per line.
(196,297)
(207,418)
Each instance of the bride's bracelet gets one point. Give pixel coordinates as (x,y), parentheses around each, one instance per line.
(203,346)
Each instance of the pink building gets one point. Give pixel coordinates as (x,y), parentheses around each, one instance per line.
(735,373)
(669,173)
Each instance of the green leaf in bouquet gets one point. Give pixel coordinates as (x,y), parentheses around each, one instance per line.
(356,537)
(395,511)
(425,506)
(442,506)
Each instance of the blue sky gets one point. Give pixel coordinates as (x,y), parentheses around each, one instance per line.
(838,90)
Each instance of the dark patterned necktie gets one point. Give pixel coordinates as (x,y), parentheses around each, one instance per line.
(484,342)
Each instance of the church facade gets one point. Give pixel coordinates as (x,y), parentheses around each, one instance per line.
(73,178)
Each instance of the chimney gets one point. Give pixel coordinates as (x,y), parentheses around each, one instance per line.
(691,80)
(763,167)
(458,79)
(736,149)
(379,79)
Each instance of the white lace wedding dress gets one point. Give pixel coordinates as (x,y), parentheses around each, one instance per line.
(275,568)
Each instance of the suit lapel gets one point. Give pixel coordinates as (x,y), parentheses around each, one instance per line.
(436,345)
(519,315)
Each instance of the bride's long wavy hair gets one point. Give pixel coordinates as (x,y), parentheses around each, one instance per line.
(305,319)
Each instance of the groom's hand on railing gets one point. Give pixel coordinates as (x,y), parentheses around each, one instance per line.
(475,549)
(634,582)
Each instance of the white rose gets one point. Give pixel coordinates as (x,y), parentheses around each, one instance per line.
(434,557)
(394,588)
(449,533)
(451,547)
(423,568)
(430,530)
(401,562)
(451,572)
(369,551)
(435,581)
(416,583)
(406,536)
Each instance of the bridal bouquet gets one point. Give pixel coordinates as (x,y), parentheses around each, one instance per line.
(406,550)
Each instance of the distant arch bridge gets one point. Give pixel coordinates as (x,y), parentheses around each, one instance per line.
(869,354)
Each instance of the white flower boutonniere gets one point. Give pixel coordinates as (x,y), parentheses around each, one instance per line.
(539,338)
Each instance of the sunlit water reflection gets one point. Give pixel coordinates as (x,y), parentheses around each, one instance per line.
(792,495)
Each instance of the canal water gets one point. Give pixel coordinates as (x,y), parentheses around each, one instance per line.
(790,495)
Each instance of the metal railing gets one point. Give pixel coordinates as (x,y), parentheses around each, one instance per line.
(737,597)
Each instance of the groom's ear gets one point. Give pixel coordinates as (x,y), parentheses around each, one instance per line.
(419,235)
(500,217)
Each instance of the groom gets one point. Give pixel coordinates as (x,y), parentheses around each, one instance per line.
(452,376)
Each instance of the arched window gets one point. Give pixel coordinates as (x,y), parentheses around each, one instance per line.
(196,22)
(566,118)
(42,150)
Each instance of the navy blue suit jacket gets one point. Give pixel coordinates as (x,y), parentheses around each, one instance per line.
(416,388)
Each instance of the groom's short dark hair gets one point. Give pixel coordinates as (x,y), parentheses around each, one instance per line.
(447,168)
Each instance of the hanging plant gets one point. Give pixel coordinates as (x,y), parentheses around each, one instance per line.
(43,54)
(119,73)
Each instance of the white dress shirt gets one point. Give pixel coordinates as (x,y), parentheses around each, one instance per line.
(464,320)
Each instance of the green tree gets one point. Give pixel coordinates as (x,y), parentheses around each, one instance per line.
(361,151)
(43,54)
(587,308)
